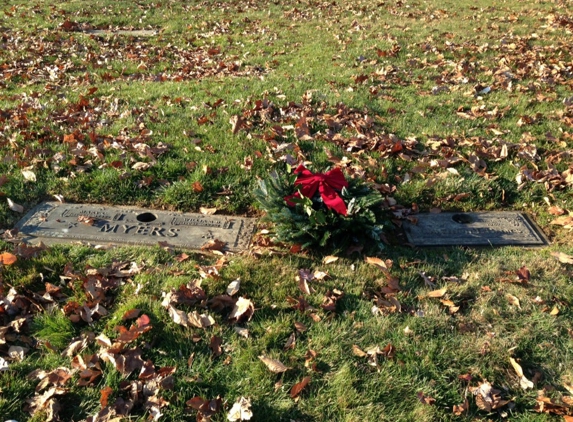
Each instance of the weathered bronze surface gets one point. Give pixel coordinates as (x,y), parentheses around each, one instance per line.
(53,222)
(474,229)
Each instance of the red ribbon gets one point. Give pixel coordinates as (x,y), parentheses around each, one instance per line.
(326,183)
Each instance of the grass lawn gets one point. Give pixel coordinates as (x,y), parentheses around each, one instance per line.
(441,105)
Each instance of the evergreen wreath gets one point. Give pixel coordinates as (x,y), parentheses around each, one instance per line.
(321,209)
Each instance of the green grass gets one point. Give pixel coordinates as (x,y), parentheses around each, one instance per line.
(170,89)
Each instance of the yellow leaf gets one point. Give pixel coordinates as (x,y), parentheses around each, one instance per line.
(513,300)
(377,261)
(524,382)
(329,259)
(358,351)
(438,293)
(554,311)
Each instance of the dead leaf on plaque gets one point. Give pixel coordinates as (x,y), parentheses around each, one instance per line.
(214,245)
(274,365)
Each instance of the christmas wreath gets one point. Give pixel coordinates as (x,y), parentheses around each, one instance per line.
(321,209)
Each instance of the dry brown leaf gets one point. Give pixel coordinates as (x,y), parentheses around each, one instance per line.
(563,257)
(298,387)
(214,245)
(461,408)
(566,221)
(237,123)
(274,365)
(300,327)
(555,210)
(6,258)
(291,342)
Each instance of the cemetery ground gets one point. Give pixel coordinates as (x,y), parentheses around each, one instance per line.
(441,105)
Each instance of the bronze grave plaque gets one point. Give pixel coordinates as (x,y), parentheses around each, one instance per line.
(53,222)
(497,228)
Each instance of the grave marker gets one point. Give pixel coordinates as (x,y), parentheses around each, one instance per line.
(53,222)
(497,228)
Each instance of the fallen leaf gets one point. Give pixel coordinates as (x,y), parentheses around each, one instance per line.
(197,187)
(291,342)
(329,259)
(243,332)
(17,352)
(523,382)
(554,210)
(562,257)
(237,123)
(6,258)
(132,313)
(243,310)
(425,399)
(241,410)
(460,409)
(274,365)
(513,300)
(298,387)
(566,221)
(29,175)
(358,351)
(377,261)
(523,274)
(15,207)
(233,287)
(438,293)
(214,245)
(207,211)
(215,346)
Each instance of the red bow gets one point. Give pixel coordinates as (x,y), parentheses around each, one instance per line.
(326,183)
